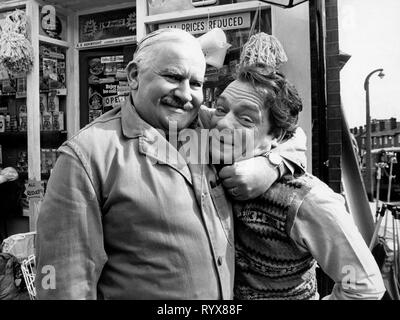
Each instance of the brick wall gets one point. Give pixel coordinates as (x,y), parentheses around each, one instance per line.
(325,88)
(334,118)
(326,115)
(318,96)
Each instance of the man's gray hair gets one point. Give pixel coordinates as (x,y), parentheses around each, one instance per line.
(144,51)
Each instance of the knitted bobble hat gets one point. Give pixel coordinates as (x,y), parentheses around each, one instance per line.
(263,48)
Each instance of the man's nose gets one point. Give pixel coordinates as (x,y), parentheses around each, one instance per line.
(183,91)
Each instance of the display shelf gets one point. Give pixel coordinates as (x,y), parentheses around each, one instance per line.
(57,42)
(205,11)
(12,135)
(45,135)
(58,92)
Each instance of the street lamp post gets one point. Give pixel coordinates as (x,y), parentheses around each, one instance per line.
(369,174)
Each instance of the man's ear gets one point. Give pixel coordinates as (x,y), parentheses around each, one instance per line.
(132,73)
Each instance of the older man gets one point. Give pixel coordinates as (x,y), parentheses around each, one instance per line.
(125,216)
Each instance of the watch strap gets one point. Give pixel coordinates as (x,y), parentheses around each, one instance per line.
(280,167)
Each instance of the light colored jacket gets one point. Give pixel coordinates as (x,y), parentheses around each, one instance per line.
(120,221)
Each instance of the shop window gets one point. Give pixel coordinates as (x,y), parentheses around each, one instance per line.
(53,93)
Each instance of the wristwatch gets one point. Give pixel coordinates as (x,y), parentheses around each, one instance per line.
(277,161)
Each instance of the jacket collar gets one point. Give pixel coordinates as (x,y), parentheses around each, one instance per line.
(132,125)
(152,142)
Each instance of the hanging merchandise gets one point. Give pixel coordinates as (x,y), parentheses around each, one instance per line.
(214,46)
(262,48)
(16,52)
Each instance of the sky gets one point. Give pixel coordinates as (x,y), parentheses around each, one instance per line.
(369,32)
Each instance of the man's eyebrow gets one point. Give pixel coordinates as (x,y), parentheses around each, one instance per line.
(249,107)
(174,70)
(221,97)
(245,105)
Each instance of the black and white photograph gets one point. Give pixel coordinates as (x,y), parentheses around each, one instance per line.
(213,158)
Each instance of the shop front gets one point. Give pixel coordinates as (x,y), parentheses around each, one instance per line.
(79,53)
(75,73)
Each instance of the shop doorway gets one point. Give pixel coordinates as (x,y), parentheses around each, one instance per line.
(102,80)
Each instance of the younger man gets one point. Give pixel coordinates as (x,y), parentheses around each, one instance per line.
(299,222)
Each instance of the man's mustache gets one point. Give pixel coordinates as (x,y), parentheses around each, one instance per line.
(177,103)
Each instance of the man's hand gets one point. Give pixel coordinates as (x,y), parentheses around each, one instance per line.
(248,179)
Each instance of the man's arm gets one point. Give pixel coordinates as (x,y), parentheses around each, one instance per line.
(325,229)
(69,239)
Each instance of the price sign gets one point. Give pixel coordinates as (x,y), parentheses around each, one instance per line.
(34,190)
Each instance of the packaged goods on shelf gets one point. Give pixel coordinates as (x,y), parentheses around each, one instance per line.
(22,108)
(58,120)
(21,86)
(8,86)
(53,103)
(23,121)
(2,123)
(8,122)
(46,161)
(13,123)
(43,102)
(47,121)
(22,161)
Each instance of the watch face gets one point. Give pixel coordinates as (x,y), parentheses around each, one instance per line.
(274,158)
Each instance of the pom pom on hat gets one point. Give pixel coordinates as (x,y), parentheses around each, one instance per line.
(263,48)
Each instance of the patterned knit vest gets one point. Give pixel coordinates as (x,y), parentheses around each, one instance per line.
(269,265)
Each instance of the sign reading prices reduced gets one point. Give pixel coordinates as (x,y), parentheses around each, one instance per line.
(227,22)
